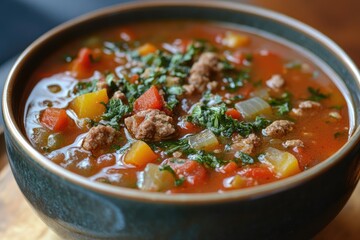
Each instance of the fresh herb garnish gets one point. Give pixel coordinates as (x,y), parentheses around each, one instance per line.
(235,81)
(244,158)
(316,95)
(206,159)
(215,119)
(178,181)
(282,104)
(115,110)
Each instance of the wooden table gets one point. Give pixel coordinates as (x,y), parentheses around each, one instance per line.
(339,20)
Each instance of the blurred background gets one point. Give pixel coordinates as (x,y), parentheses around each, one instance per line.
(22,21)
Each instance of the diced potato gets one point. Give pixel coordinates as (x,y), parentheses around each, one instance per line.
(235,40)
(146,49)
(140,154)
(155,179)
(253,107)
(205,140)
(90,105)
(285,164)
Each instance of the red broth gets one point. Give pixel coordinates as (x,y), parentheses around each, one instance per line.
(184,107)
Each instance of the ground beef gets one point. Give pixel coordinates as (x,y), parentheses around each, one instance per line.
(246,145)
(279,128)
(150,124)
(204,70)
(99,136)
(275,82)
(305,105)
(293,143)
(309,104)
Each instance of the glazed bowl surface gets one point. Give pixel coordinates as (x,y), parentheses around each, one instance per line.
(76,208)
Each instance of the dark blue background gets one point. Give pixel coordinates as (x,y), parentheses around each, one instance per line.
(22,21)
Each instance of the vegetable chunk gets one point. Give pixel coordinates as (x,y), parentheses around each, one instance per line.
(284,163)
(140,154)
(54,119)
(90,105)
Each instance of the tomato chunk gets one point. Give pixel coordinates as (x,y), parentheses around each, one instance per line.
(232,112)
(192,171)
(81,66)
(55,119)
(151,99)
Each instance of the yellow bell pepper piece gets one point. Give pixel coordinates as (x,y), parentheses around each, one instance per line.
(90,105)
(140,154)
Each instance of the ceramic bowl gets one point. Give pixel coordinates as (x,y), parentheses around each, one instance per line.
(294,208)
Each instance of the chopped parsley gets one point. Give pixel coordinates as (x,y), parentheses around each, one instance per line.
(178,181)
(316,95)
(282,104)
(115,110)
(244,158)
(215,119)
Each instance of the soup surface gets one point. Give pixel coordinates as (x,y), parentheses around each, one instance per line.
(183,107)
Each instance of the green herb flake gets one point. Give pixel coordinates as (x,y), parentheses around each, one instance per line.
(316,95)
(282,104)
(115,110)
(244,158)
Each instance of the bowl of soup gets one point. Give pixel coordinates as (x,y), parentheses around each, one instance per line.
(184,121)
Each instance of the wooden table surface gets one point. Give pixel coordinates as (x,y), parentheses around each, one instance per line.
(340,20)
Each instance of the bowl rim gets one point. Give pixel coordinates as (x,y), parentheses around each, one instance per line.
(189,198)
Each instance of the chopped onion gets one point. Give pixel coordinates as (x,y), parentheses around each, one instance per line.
(253,107)
(261,93)
(205,140)
(155,179)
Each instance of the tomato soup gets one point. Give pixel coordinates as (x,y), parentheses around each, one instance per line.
(184,107)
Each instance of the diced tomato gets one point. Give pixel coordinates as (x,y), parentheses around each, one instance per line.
(55,119)
(151,99)
(259,173)
(302,156)
(232,112)
(194,172)
(230,167)
(266,64)
(81,66)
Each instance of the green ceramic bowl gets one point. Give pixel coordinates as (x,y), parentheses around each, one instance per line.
(74,207)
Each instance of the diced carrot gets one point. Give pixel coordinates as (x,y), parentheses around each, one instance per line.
(235,40)
(81,66)
(259,173)
(194,172)
(151,99)
(230,167)
(55,119)
(266,64)
(232,112)
(146,49)
(140,154)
